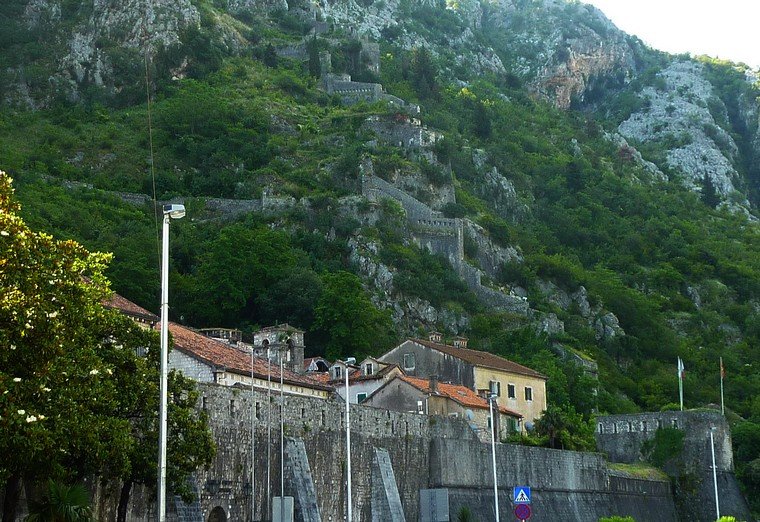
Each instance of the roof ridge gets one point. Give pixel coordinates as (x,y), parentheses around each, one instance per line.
(462,353)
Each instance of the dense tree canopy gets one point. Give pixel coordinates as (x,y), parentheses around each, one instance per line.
(77,397)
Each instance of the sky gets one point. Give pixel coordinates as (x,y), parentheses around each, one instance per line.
(727,29)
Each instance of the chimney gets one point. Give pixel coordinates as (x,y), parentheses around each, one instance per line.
(433,384)
(460,342)
(435,337)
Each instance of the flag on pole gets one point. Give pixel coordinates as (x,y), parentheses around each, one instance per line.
(722,376)
(681,368)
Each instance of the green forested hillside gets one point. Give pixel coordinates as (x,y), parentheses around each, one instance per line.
(679,272)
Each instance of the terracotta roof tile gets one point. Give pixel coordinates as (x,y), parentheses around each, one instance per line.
(479,358)
(322,377)
(461,394)
(127,307)
(221,355)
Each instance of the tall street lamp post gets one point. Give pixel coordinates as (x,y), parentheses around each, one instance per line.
(491,400)
(715,473)
(349,518)
(170,212)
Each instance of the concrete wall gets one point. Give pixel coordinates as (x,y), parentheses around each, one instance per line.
(621,437)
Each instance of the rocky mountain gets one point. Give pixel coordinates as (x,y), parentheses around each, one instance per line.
(518,171)
(565,52)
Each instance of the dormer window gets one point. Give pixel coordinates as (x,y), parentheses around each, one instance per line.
(369,369)
(338,372)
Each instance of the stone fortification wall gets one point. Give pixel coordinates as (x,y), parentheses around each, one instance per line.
(565,485)
(423,452)
(375,188)
(351,91)
(320,425)
(621,437)
(443,236)
(402,134)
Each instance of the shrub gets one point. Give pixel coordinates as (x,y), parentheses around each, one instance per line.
(667,444)
(465,515)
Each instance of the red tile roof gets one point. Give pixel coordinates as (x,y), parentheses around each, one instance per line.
(221,355)
(460,394)
(323,377)
(484,359)
(127,307)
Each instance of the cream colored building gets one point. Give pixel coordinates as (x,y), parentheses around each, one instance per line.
(518,388)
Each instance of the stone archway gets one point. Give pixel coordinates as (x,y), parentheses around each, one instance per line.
(217,515)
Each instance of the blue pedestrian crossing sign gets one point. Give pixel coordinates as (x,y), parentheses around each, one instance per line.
(521,494)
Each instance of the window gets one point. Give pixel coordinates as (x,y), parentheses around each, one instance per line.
(409,361)
(528,393)
(369,369)
(495,388)
(361,397)
(511,391)
(338,372)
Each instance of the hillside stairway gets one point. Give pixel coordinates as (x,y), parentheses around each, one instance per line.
(441,236)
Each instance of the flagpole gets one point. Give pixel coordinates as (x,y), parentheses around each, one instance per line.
(680,381)
(722,372)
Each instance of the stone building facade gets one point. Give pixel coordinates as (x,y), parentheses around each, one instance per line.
(518,388)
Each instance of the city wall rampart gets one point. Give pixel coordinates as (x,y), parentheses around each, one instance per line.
(424,452)
(623,439)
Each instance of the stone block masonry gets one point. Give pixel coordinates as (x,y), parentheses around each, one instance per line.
(300,482)
(622,438)
(412,451)
(442,236)
(566,485)
(386,502)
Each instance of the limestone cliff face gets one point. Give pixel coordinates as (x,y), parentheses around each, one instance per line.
(372,20)
(676,114)
(560,47)
(563,81)
(85,55)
